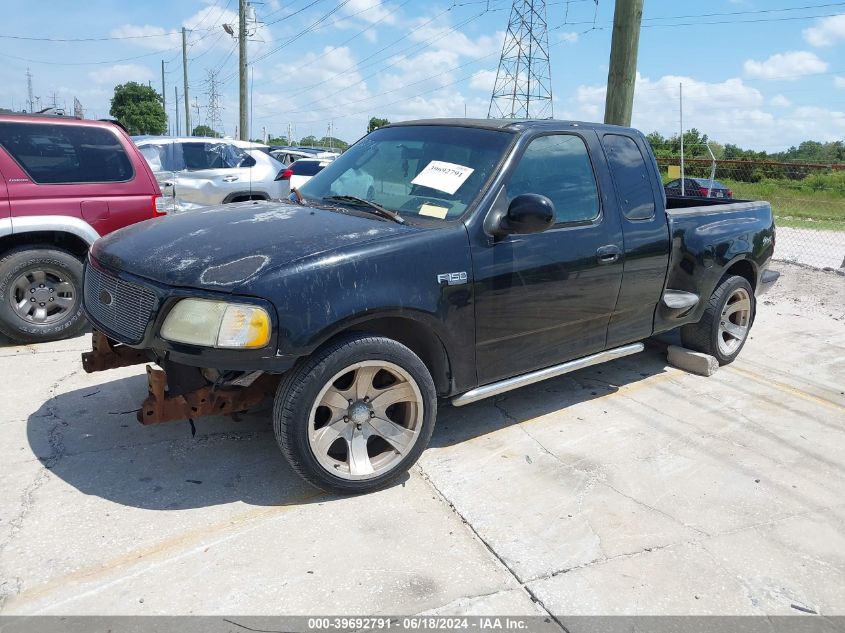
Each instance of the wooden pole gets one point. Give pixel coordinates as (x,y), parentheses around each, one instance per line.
(622,75)
(185,82)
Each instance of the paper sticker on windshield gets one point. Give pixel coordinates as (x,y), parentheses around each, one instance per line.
(446,177)
(434,211)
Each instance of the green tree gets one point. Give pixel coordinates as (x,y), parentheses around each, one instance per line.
(308,141)
(138,108)
(333,142)
(204,130)
(376,123)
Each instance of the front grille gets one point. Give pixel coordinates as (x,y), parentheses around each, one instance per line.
(127,314)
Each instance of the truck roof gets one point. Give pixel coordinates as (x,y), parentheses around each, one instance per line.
(518,125)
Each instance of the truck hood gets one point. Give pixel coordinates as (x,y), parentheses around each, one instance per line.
(223,247)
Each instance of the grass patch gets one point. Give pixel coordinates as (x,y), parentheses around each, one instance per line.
(817,202)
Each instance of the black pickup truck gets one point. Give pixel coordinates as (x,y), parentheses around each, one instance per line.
(434,259)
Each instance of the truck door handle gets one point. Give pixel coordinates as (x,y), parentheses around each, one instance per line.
(608,254)
(230,178)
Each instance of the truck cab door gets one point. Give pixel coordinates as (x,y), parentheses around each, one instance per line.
(545,298)
(640,200)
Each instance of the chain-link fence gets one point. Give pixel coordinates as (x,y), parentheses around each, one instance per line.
(808,200)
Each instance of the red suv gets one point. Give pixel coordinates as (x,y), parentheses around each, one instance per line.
(64,182)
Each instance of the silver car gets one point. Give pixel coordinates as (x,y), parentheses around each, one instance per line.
(196,172)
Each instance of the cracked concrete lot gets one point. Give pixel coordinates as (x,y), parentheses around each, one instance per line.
(627,488)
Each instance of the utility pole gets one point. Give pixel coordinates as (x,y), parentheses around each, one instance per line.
(622,75)
(197,106)
(243,128)
(683,175)
(163,93)
(185,81)
(176,108)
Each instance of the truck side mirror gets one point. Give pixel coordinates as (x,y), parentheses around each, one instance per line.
(528,213)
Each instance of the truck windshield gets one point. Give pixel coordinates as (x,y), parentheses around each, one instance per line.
(417,171)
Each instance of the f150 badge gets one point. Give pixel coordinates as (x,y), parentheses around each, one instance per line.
(452,279)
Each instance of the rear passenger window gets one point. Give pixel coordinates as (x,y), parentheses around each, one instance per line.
(307,167)
(558,167)
(631,176)
(55,154)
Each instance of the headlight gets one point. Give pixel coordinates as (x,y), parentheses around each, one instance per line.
(217,324)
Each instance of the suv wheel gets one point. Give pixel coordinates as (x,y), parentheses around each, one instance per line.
(726,323)
(40,294)
(356,415)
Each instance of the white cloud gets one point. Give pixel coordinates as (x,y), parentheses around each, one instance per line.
(153,37)
(827,31)
(779,101)
(839,82)
(121,73)
(483,80)
(729,112)
(790,66)
(371,11)
(570,37)
(443,36)
(205,31)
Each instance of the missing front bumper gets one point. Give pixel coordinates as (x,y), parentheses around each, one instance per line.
(160,406)
(182,399)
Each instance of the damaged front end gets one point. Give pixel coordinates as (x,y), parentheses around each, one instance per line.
(180,392)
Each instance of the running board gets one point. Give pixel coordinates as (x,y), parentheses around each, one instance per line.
(494,389)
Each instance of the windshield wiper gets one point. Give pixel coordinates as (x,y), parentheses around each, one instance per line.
(380,210)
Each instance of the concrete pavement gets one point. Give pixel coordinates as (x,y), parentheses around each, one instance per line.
(627,488)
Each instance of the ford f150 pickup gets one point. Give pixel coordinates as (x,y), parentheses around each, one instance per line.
(434,259)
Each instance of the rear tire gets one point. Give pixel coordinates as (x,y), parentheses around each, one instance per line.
(356,415)
(724,327)
(40,294)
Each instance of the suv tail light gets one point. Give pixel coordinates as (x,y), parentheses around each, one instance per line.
(159,206)
(285,174)
(730,194)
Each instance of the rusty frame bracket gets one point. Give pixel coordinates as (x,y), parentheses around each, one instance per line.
(160,407)
(108,354)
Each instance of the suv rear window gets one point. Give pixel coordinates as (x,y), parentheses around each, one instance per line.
(58,154)
(307,167)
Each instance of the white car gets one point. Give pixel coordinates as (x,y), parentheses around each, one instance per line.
(289,155)
(303,170)
(195,172)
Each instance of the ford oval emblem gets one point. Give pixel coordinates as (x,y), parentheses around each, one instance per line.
(106,297)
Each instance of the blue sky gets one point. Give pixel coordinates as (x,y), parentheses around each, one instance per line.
(763,74)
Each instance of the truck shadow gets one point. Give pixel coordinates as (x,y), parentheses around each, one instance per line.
(460,424)
(90,439)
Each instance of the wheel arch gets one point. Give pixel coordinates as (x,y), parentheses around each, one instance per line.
(64,240)
(745,268)
(245,196)
(413,333)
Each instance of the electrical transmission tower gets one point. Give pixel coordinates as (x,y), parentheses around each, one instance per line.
(30,100)
(215,118)
(523,86)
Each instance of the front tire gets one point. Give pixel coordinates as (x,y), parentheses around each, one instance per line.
(724,328)
(40,294)
(356,415)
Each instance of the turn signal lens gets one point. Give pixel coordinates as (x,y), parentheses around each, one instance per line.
(244,327)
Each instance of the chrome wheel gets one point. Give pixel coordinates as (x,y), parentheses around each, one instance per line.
(365,420)
(734,322)
(42,296)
